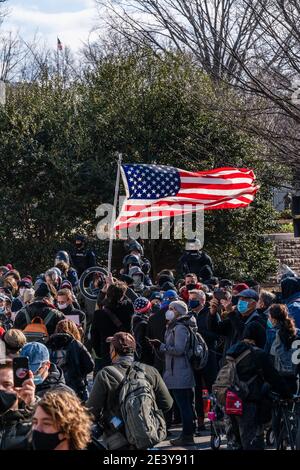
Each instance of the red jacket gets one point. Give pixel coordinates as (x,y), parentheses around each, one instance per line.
(184,293)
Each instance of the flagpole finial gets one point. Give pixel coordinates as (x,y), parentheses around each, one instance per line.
(59,44)
(120,158)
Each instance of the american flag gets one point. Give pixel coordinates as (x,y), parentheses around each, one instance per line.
(155,192)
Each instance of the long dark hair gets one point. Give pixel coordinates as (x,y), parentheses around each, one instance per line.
(287,328)
(114,294)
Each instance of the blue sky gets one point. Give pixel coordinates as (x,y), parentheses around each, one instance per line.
(70,20)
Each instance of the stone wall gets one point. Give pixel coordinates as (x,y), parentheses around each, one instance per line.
(287,251)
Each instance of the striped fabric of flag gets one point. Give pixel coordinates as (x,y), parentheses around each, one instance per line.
(155,192)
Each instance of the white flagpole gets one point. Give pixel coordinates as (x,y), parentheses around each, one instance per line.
(114,213)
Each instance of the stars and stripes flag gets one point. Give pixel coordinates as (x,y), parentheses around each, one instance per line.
(155,192)
(59,45)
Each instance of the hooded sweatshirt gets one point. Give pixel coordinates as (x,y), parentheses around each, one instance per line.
(55,380)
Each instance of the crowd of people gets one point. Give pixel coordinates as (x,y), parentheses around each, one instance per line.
(119,372)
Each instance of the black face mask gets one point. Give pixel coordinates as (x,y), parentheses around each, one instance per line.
(7,399)
(43,441)
(191,286)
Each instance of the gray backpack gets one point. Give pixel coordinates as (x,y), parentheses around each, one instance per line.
(283,358)
(198,350)
(145,424)
(227,379)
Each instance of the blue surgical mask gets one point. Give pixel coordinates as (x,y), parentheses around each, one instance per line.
(242,306)
(194,303)
(269,324)
(38,379)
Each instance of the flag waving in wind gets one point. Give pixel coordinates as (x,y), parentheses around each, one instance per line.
(155,191)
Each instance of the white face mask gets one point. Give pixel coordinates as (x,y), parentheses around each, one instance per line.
(62,306)
(170,315)
(22,291)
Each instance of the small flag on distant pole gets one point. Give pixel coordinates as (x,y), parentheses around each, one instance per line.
(59,45)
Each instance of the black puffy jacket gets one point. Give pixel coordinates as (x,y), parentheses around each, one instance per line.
(234,326)
(77,361)
(197,262)
(54,381)
(15,427)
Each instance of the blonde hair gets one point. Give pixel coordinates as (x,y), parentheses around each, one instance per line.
(69,416)
(68,326)
(67,293)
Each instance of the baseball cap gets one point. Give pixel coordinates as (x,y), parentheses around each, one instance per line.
(170,294)
(37,354)
(155,295)
(240,287)
(122,342)
(249,293)
(66,285)
(25,282)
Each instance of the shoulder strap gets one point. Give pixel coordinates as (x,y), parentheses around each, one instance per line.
(113,317)
(120,377)
(242,356)
(27,317)
(49,317)
(140,367)
(117,374)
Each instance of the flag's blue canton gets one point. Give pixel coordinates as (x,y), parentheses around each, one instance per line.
(151,181)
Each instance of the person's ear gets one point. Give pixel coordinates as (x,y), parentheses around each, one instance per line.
(47,365)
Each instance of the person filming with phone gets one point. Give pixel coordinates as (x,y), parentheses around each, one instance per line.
(46,375)
(236,318)
(17,400)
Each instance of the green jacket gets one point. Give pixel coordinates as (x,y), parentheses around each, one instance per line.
(103,397)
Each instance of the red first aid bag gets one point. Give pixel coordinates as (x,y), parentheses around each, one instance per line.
(234,405)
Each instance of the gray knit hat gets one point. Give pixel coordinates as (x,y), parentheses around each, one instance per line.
(179,306)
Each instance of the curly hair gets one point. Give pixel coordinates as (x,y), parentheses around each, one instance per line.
(68,326)
(69,415)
